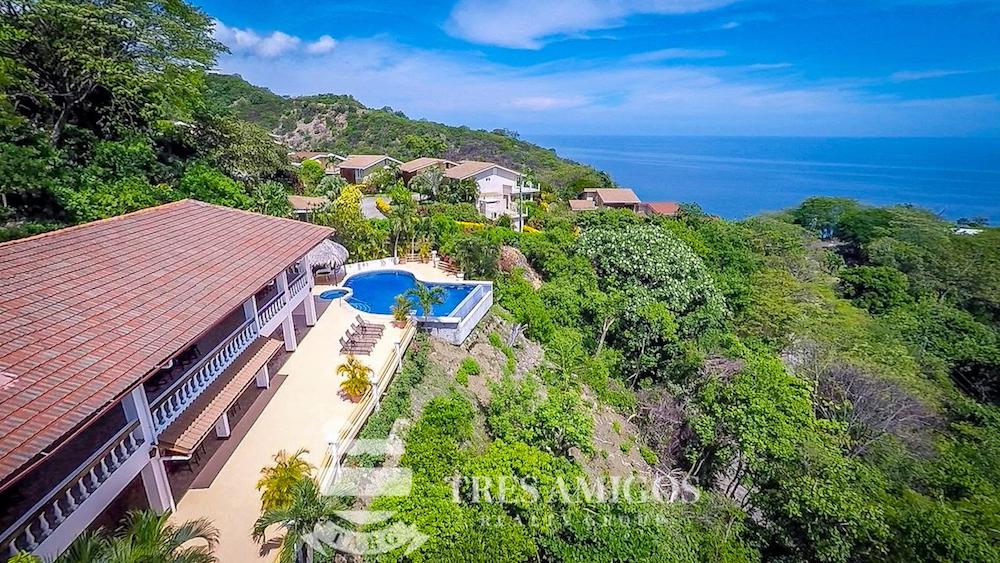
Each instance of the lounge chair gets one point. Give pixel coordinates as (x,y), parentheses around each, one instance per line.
(371,331)
(349,347)
(363,338)
(366,324)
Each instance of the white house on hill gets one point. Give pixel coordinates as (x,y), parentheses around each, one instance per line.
(499,192)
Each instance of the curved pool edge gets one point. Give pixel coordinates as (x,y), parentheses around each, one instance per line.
(397,270)
(452,329)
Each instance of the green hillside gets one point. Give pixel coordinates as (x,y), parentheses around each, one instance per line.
(343,125)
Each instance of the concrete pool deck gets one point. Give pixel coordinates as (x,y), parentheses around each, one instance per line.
(306,411)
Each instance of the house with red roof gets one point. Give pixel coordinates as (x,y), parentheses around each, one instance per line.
(660,208)
(356,167)
(125,344)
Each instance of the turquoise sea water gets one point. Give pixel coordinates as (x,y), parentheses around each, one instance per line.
(740,176)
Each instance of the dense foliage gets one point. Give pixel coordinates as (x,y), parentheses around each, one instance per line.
(827,377)
(104,113)
(834,398)
(343,125)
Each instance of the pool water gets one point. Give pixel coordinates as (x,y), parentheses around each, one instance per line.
(332,294)
(378,291)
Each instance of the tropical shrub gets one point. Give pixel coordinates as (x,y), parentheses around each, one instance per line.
(357,377)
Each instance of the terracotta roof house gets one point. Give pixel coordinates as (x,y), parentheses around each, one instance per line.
(413,167)
(663,208)
(356,166)
(304,206)
(329,160)
(123,345)
(500,189)
(582,205)
(622,198)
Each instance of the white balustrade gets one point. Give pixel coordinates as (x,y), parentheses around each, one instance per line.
(46,515)
(298,284)
(189,387)
(273,307)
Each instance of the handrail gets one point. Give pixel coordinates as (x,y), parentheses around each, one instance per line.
(201,363)
(271,302)
(363,408)
(188,389)
(292,289)
(125,437)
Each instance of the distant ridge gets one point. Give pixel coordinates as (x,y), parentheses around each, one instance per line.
(341,124)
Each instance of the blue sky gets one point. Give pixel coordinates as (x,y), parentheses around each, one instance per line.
(673,67)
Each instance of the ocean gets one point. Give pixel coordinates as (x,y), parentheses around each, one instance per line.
(736,177)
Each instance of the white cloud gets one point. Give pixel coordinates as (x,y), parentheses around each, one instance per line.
(528,24)
(676,53)
(768,66)
(276,44)
(545,103)
(608,96)
(321,46)
(909,75)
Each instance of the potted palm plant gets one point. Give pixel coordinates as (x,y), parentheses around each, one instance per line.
(357,378)
(401,311)
(425,251)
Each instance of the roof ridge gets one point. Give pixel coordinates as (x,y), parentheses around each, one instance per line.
(255,214)
(96,221)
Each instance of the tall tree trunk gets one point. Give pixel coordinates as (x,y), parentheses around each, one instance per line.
(605,326)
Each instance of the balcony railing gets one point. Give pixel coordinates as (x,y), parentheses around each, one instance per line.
(184,392)
(298,284)
(268,311)
(46,515)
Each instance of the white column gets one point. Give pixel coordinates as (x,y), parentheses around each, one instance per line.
(310,307)
(263,378)
(154,480)
(154,475)
(287,324)
(288,332)
(222,429)
(136,406)
(250,310)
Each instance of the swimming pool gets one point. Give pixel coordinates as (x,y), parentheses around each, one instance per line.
(378,290)
(332,294)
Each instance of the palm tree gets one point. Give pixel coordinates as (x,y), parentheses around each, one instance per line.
(277,481)
(308,510)
(357,377)
(146,537)
(428,182)
(427,296)
(402,215)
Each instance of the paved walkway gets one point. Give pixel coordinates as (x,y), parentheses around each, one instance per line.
(306,411)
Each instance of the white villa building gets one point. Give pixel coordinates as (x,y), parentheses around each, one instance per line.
(124,344)
(500,192)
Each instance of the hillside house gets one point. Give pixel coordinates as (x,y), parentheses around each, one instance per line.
(356,167)
(499,189)
(127,342)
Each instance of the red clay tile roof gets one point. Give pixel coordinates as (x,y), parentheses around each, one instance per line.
(365,161)
(663,207)
(307,203)
(418,164)
(615,195)
(469,168)
(89,311)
